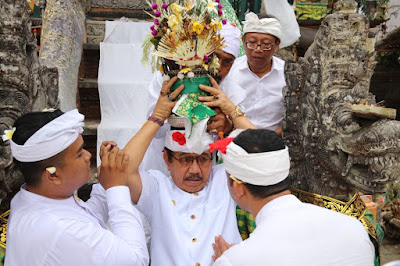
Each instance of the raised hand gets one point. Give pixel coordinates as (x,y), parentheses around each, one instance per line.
(113,168)
(166,102)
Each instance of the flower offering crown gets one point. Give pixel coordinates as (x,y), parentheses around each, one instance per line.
(184,37)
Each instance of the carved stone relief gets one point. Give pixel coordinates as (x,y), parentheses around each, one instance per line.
(25,85)
(120,4)
(334,151)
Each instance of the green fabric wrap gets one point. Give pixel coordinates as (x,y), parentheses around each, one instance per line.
(191,107)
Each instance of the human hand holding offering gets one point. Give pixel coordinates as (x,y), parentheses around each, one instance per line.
(219,123)
(114,166)
(165,102)
(217,98)
(220,246)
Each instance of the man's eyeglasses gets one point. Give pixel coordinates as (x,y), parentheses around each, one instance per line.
(263,46)
(186,161)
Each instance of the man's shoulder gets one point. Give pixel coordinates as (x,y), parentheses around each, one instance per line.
(239,63)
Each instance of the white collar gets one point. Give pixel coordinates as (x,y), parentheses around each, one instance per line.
(274,67)
(276,204)
(33,197)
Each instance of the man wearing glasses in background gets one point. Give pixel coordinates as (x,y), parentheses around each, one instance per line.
(260,73)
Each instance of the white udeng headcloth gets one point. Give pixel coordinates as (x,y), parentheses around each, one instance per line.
(202,145)
(261,169)
(51,139)
(231,35)
(264,25)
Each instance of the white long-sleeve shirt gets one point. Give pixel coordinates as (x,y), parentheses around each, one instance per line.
(290,232)
(183,225)
(43,231)
(263,102)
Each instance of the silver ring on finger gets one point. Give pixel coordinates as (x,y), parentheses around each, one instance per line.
(170,97)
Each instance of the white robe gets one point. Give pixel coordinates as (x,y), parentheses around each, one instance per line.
(263,102)
(183,225)
(290,232)
(43,231)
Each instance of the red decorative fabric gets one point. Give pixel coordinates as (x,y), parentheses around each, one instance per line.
(220,145)
(179,137)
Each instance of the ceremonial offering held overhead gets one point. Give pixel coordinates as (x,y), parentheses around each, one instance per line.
(183,40)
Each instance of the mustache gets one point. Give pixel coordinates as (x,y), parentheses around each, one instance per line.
(194,177)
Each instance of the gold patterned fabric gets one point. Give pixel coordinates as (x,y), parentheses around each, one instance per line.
(354,208)
(3,228)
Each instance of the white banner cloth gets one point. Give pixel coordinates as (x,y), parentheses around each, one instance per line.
(123,82)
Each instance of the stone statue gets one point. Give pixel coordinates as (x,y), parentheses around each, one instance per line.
(333,150)
(61,45)
(25,85)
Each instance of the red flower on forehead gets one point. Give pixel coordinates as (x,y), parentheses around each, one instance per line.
(220,145)
(179,137)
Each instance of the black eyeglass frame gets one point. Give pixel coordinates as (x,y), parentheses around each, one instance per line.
(193,158)
(260,45)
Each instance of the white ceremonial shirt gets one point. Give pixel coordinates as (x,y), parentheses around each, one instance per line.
(290,232)
(43,231)
(184,225)
(263,103)
(153,159)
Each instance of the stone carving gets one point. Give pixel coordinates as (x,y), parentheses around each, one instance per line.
(95,31)
(333,151)
(120,4)
(25,85)
(61,45)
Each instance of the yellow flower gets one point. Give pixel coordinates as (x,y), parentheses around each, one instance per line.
(176,9)
(211,7)
(185,70)
(51,169)
(216,25)
(197,27)
(8,133)
(173,23)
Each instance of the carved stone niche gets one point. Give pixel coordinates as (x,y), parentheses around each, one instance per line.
(95,31)
(119,4)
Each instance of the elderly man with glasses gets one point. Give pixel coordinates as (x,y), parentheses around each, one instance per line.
(189,207)
(260,73)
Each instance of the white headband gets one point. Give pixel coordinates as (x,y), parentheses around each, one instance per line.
(51,139)
(231,35)
(265,25)
(176,140)
(261,169)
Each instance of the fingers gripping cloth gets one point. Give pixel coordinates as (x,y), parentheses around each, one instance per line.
(51,139)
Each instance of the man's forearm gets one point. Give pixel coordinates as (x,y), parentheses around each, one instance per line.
(137,146)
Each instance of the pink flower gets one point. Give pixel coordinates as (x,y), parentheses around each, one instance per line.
(219,6)
(220,145)
(164,6)
(154,32)
(154,6)
(220,12)
(157,13)
(206,58)
(218,1)
(156,22)
(179,137)
(224,21)
(152,27)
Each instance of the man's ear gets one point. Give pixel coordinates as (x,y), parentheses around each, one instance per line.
(168,163)
(238,189)
(48,177)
